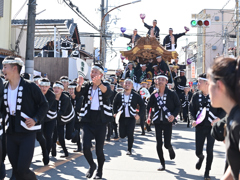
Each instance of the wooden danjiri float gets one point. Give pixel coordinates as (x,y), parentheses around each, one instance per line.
(147,48)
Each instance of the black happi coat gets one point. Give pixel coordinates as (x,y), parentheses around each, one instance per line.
(52,103)
(180,83)
(31,103)
(232,141)
(104,102)
(77,104)
(137,37)
(65,110)
(198,103)
(152,88)
(167,40)
(185,100)
(163,67)
(133,75)
(1,98)
(170,100)
(156,30)
(140,73)
(134,100)
(112,97)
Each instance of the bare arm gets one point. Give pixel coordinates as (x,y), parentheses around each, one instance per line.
(227,175)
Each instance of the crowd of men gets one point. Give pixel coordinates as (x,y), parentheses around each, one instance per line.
(51,113)
(98,109)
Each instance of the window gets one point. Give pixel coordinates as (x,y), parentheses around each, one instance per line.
(1,8)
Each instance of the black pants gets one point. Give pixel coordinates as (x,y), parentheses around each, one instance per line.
(115,128)
(45,137)
(1,157)
(20,148)
(2,167)
(69,133)
(126,128)
(97,132)
(77,127)
(166,130)
(109,130)
(142,122)
(185,115)
(202,133)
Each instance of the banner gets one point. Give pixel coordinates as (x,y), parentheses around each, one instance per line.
(193,70)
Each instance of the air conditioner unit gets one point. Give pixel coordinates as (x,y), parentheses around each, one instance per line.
(214,47)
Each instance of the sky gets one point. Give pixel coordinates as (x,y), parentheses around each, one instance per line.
(169,13)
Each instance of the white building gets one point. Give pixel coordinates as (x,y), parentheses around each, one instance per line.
(210,39)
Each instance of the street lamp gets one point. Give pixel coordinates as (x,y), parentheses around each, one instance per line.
(101,32)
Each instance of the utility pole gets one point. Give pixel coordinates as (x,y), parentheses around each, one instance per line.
(226,42)
(29,61)
(103,46)
(222,29)
(237,21)
(186,53)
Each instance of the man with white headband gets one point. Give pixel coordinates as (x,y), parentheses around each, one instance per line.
(185,99)
(65,81)
(180,82)
(36,79)
(133,38)
(162,65)
(166,107)
(200,105)
(45,136)
(65,118)
(96,112)
(126,102)
(77,103)
(141,74)
(153,31)
(170,41)
(24,106)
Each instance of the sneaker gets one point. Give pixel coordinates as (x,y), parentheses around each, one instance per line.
(129,153)
(161,168)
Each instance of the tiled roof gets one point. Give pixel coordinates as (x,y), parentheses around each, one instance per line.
(41,41)
(6,52)
(45,21)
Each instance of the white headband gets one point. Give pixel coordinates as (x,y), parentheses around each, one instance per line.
(98,68)
(204,79)
(64,80)
(72,86)
(58,85)
(161,76)
(15,61)
(37,79)
(126,80)
(42,83)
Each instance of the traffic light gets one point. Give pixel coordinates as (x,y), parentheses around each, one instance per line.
(200,23)
(194,23)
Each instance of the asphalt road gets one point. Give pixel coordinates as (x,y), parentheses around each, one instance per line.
(142,165)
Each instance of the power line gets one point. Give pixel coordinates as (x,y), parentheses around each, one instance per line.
(225,5)
(71,5)
(20,9)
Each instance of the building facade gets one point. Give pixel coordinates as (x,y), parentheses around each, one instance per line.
(211,40)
